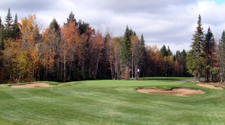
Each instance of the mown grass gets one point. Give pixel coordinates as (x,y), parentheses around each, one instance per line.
(106,102)
(131,83)
(167,78)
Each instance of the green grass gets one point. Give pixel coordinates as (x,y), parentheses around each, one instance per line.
(167,78)
(108,102)
(123,83)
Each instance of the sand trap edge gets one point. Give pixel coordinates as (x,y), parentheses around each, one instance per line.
(185,92)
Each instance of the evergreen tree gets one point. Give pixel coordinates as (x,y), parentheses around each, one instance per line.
(0,22)
(183,54)
(169,51)
(16,29)
(208,48)
(222,56)
(144,62)
(8,26)
(54,25)
(142,41)
(196,59)
(183,62)
(83,27)
(126,48)
(126,51)
(164,51)
(71,18)
(8,20)
(178,55)
(209,42)
(0,26)
(191,65)
(2,37)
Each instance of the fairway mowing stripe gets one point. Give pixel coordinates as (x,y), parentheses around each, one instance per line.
(175,105)
(8,94)
(9,120)
(209,118)
(218,117)
(205,118)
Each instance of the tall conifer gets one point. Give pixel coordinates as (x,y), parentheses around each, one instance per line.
(196,59)
(8,20)
(16,29)
(222,56)
(126,51)
(164,51)
(208,49)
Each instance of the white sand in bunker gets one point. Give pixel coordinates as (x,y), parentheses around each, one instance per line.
(209,86)
(172,92)
(33,85)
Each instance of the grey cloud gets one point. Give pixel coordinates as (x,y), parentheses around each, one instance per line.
(161,21)
(149,6)
(27,5)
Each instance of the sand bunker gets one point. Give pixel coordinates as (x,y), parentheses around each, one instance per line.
(172,92)
(33,85)
(209,86)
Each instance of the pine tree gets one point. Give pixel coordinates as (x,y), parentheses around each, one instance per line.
(126,48)
(209,42)
(197,56)
(183,54)
(222,56)
(83,27)
(54,25)
(169,51)
(142,41)
(144,61)
(183,62)
(71,18)
(126,51)
(208,49)
(0,26)
(164,51)
(16,29)
(0,22)
(8,26)
(2,37)
(8,20)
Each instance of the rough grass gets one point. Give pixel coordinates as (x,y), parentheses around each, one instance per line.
(100,102)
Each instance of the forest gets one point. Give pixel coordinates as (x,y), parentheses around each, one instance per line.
(76,51)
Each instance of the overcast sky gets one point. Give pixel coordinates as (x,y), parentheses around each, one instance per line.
(169,22)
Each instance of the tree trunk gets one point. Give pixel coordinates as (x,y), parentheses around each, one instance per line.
(136,72)
(127,73)
(82,67)
(111,68)
(132,67)
(64,61)
(96,69)
(195,77)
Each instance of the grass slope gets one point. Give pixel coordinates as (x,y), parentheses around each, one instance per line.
(109,102)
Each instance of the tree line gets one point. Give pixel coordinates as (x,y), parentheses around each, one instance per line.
(76,51)
(207,56)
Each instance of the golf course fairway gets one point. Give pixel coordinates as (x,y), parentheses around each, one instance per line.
(110,102)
